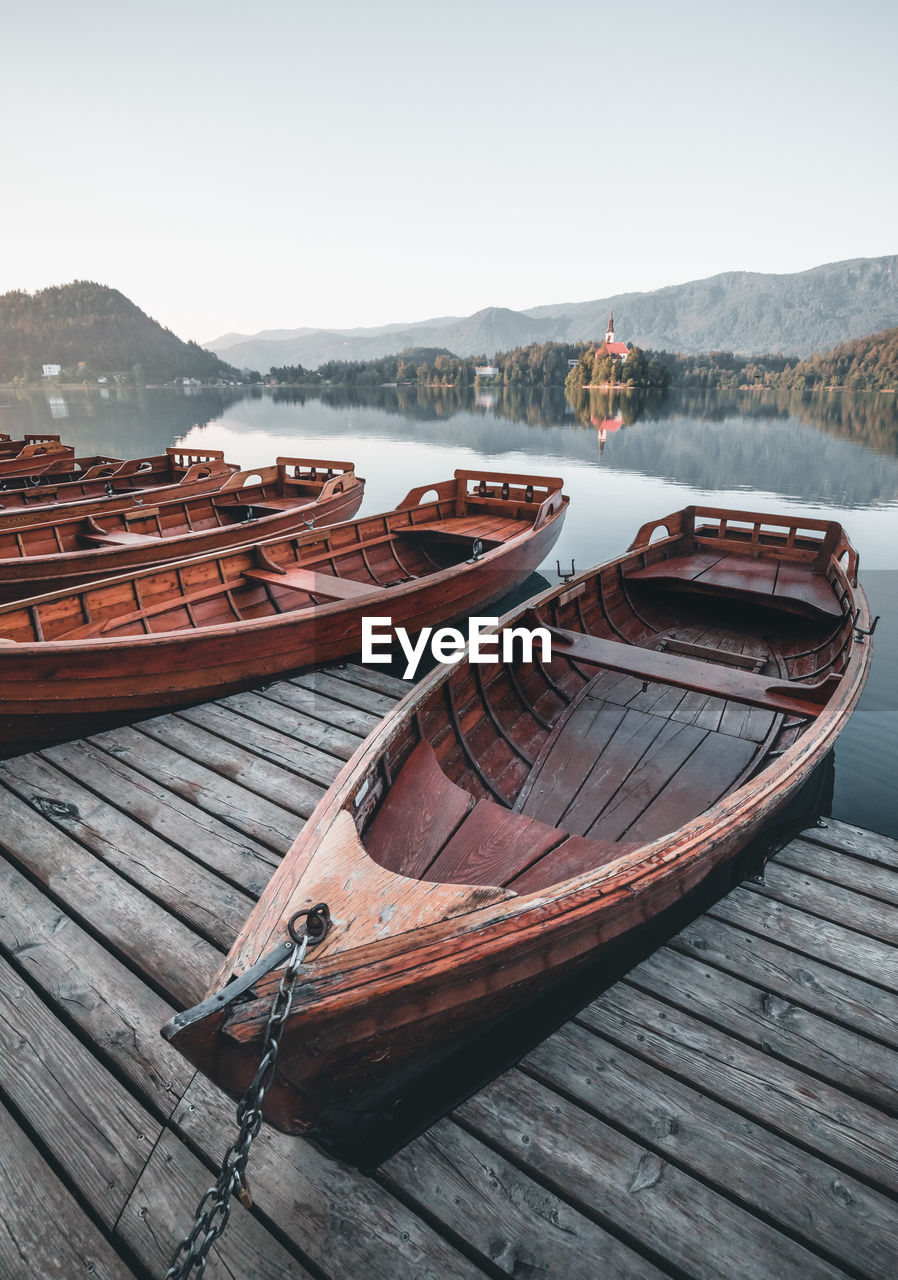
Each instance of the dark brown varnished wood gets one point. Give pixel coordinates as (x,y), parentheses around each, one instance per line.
(589,793)
(114,486)
(73,547)
(168,636)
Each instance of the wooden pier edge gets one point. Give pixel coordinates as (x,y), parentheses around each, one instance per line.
(727,1109)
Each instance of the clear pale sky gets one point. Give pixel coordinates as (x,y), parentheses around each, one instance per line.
(268,165)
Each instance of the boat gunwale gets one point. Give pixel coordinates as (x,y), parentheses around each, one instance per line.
(67,560)
(277,621)
(487,926)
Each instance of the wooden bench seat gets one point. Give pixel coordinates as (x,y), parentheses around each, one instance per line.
(428,828)
(318,584)
(419,814)
(779,584)
(265,507)
(491,532)
(121,538)
(791,697)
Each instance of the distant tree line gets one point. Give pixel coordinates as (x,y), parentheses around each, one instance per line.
(866,364)
(543,364)
(433,366)
(863,364)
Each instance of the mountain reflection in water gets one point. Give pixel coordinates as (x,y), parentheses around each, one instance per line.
(833,455)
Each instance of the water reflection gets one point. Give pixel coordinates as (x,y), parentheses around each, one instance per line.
(118,420)
(625,458)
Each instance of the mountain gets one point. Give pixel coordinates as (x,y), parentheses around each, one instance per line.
(90,330)
(747,312)
(230,341)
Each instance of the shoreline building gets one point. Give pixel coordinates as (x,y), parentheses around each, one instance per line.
(619,350)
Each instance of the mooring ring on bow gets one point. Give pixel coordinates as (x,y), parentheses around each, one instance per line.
(313,924)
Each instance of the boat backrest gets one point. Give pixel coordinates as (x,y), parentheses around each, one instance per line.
(313,476)
(183,459)
(797,538)
(506,493)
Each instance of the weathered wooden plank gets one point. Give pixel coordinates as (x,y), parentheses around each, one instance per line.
(43,1232)
(117,1011)
(296,757)
(812,936)
(186,888)
(836,995)
(99,1135)
(352,695)
(852,1134)
(849,839)
(839,1216)
(643,794)
(154,942)
(841,868)
(419,814)
(232,854)
(259,708)
(329,711)
(343,1222)
(709,772)
(830,901)
(157,1217)
(631,740)
(252,815)
(296,795)
(571,757)
(517,1225)
(609,1176)
(372,678)
(774,1024)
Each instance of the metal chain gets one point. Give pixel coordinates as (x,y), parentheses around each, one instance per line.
(214,1209)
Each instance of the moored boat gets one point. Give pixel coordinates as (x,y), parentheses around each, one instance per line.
(48,464)
(10,448)
(37,456)
(74,660)
(72,548)
(513,820)
(112,484)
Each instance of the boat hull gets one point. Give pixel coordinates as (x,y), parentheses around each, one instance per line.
(31,575)
(414,967)
(56,691)
(117,487)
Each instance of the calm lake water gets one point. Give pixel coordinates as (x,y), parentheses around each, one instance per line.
(623,461)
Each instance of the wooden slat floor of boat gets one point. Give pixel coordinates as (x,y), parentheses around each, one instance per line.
(729,1109)
(631,762)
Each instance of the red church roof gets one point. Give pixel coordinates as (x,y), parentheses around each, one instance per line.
(617,349)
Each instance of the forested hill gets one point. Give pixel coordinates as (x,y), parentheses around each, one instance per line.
(92,331)
(742,311)
(866,364)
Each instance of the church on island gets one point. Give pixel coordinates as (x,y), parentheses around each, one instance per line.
(619,350)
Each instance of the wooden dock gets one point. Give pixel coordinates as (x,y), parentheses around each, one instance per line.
(728,1109)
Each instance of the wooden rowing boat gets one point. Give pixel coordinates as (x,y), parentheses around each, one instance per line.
(249,506)
(510,822)
(112,485)
(74,660)
(39,465)
(36,456)
(10,448)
